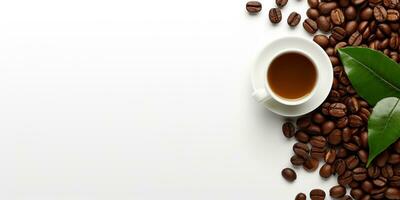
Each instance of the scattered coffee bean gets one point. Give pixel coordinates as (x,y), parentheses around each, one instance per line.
(337,191)
(380,13)
(326,170)
(323,23)
(275,15)
(317,194)
(337,16)
(312,13)
(310,26)
(253,7)
(321,40)
(294,19)
(281,3)
(289,174)
(288,129)
(301,196)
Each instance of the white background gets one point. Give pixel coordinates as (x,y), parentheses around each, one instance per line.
(141,100)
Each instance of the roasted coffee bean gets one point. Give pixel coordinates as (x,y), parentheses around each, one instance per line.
(337,110)
(355,121)
(253,7)
(344,3)
(337,191)
(346,197)
(351,146)
(360,174)
(302,136)
(327,127)
(391,3)
(313,3)
(380,13)
(297,160)
(384,28)
(323,23)
(288,129)
(318,141)
(395,181)
(354,184)
(364,139)
(346,134)
(313,129)
(303,122)
(345,178)
(301,150)
(326,170)
(356,193)
(330,156)
(294,19)
(363,156)
(382,159)
(311,164)
(358,2)
(326,7)
(387,171)
(367,186)
(393,15)
(394,159)
(373,171)
(378,193)
(275,15)
(394,41)
(342,122)
(318,152)
(312,13)
(337,16)
(351,27)
(366,13)
(352,162)
(289,174)
(281,3)
(300,196)
(392,193)
(321,40)
(350,13)
(318,118)
(341,152)
(340,166)
(338,33)
(380,181)
(335,137)
(317,194)
(355,39)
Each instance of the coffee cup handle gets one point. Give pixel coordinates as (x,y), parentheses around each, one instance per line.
(261,95)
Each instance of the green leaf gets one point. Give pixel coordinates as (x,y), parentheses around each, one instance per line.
(383,126)
(373,75)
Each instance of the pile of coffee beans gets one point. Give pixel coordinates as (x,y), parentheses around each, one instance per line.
(337,132)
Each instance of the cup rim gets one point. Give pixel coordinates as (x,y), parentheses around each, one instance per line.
(290,102)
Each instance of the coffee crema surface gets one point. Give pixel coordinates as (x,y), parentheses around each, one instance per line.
(292,75)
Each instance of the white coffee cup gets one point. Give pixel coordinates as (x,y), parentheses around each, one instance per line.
(266,93)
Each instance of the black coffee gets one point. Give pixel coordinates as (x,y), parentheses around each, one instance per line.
(292,75)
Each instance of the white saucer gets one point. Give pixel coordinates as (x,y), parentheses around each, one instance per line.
(321,60)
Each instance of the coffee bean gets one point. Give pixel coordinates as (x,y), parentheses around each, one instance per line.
(301,150)
(394,159)
(380,13)
(345,178)
(326,7)
(313,3)
(323,23)
(302,136)
(358,2)
(351,27)
(366,13)
(318,152)
(380,181)
(352,162)
(340,166)
(367,186)
(321,40)
(288,129)
(289,174)
(355,39)
(373,171)
(355,121)
(337,191)
(303,122)
(326,170)
(342,122)
(387,171)
(330,156)
(393,15)
(328,127)
(382,159)
(363,155)
(335,137)
(392,193)
(318,118)
(312,13)
(344,3)
(378,193)
(337,16)
(318,141)
(275,15)
(317,194)
(281,3)
(253,7)
(313,129)
(294,19)
(346,197)
(341,152)
(350,13)
(360,174)
(337,110)
(364,139)
(338,33)
(394,41)
(356,193)
(297,160)
(391,3)
(301,196)
(311,164)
